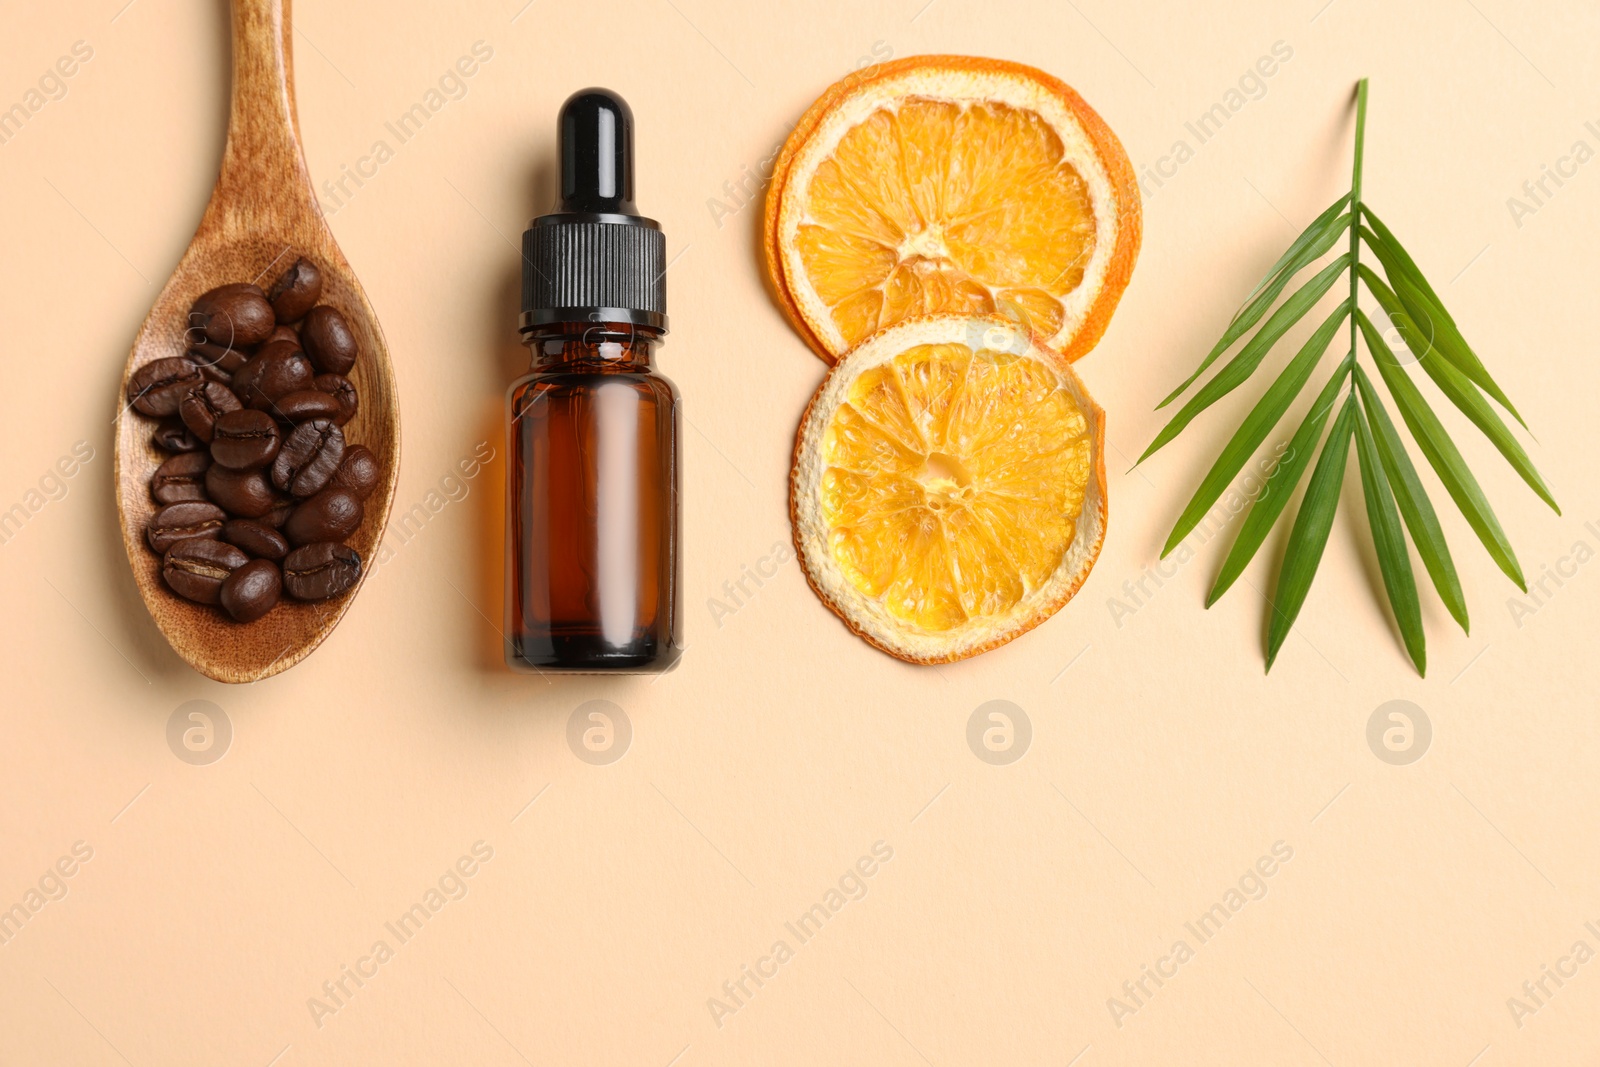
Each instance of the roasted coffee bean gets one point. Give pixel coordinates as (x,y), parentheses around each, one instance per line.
(180,522)
(256,538)
(183,477)
(235,315)
(158,386)
(203,405)
(258,463)
(341,389)
(277,516)
(296,291)
(197,568)
(277,369)
(244,493)
(251,591)
(175,437)
(331,515)
(282,333)
(316,572)
(245,439)
(307,404)
(216,357)
(308,458)
(328,340)
(358,471)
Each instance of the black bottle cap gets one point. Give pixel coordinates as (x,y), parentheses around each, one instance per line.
(595,258)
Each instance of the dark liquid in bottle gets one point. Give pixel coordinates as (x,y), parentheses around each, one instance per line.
(593,509)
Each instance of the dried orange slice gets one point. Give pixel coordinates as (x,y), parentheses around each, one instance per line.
(951,184)
(949,491)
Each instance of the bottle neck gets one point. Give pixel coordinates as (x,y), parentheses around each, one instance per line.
(597,347)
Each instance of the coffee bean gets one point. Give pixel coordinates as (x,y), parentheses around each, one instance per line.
(358,471)
(180,522)
(183,477)
(197,568)
(308,458)
(173,436)
(331,515)
(218,357)
(245,439)
(281,332)
(305,405)
(343,390)
(296,291)
(256,538)
(251,591)
(277,516)
(158,386)
(277,369)
(257,461)
(328,340)
(316,572)
(236,315)
(244,493)
(203,405)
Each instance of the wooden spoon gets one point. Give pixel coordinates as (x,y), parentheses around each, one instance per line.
(263,213)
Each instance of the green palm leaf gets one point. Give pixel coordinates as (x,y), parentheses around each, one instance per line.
(1262,418)
(1396,502)
(1415,507)
(1310,246)
(1458,388)
(1249,357)
(1280,484)
(1307,238)
(1466,397)
(1442,454)
(1309,536)
(1394,563)
(1425,306)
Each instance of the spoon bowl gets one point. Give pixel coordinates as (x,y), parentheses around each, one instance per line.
(262,214)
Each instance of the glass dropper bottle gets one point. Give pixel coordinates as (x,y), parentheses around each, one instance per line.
(592,510)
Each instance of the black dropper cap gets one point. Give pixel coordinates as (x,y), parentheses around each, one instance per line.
(595,258)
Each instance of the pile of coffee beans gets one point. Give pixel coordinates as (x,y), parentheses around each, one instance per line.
(261,488)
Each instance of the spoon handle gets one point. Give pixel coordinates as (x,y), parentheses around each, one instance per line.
(264,175)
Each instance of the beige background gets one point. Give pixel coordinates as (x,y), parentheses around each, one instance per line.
(1019,898)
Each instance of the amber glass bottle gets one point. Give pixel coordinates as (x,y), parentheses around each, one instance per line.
(592,508)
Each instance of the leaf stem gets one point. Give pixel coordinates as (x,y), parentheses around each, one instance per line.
(1355,203)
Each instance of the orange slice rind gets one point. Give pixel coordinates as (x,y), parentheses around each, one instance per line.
(948,488)
(954,185)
